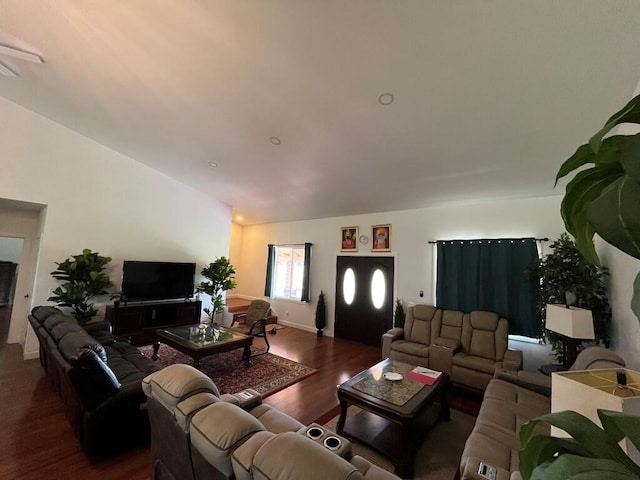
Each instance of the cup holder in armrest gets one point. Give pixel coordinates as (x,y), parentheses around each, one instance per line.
(332,443)
(315,433)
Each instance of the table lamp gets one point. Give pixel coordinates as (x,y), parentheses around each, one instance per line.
(574,324)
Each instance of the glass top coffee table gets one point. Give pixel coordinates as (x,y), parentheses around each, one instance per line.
(396,415)
(199,341)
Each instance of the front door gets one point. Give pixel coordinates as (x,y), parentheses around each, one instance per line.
(364,298)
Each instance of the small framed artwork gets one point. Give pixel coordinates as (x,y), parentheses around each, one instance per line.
(349,239)
(381,238)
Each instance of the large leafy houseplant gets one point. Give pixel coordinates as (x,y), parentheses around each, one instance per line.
(219,277)
(565,272)
(604,198)
(84,278)
(592,452)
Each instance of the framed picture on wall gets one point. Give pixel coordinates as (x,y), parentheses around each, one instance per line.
(349,239)
(381,238)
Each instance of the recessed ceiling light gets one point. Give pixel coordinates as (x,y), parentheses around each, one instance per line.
(239,218)
(213,164)
(385,99)
(275,140)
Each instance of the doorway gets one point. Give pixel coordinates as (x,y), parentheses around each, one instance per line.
(364,298)
(10,254)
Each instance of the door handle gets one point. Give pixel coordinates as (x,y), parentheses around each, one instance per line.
(26,296)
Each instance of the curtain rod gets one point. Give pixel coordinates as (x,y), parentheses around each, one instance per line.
(545,239)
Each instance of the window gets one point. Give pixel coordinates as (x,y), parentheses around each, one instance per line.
(288,271)
(489,274)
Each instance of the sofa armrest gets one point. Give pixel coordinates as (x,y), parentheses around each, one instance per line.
(441,358)
(512,360)
(98,326)
(470,471)
(246,399)
(393,334)
(370,471)
(451,343)
(533,381)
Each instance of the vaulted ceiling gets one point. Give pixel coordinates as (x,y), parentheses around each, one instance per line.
(287,97)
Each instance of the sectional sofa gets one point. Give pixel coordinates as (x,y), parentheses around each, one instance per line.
(470,347)
(199,434)
(510,400)
(98,376)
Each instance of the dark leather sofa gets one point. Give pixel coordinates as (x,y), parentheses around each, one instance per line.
(99,378)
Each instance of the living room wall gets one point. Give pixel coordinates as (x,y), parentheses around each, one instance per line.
(98,198)
(411,231)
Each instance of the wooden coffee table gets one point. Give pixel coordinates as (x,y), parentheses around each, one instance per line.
(396,415)
(201,341)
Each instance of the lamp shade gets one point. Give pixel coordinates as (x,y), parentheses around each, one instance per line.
(571,322)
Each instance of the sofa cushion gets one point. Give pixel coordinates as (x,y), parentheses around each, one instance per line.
(417,326)
(177,382)
(57,318)
(92,378)
(62,328)
(473,362)
(72,342)
(41,313)
(451,325)
(410,348)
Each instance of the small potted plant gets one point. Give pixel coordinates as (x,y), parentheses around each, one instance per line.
(84,278)
(321,314)
(399,314)
(219,278)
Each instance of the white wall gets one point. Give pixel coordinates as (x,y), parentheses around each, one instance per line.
(100,199)
(625,332)
(411,231)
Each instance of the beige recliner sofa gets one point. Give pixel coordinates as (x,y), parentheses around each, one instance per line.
(197,434)
(469,347)
(511,400)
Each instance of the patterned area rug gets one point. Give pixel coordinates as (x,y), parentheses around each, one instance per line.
(439,455)
(267,374)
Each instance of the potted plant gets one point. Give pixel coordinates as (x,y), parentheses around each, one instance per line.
(399,315)
(219,278)
(566,273)
(84,278)
(321,314)
(592,452)
(604,198)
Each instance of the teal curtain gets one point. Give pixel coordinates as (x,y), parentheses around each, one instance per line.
(492,275)
(271,256)
(306,292)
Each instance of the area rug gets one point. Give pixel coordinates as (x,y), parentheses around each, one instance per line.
(267,374)
(439,455)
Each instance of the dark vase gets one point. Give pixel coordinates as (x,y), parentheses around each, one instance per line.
(319,333)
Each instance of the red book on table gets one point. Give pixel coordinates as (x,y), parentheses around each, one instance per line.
(423,375)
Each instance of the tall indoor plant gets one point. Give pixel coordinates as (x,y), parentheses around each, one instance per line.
(84,278)
(565,272)
(219,278)
(321,314)
(604,198)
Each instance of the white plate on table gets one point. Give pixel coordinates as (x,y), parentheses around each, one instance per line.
(393,376)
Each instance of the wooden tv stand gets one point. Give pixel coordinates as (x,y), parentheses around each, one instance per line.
(137,322)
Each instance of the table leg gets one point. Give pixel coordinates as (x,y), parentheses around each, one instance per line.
(156,347)
(343,417)
(246,355)
(445,413)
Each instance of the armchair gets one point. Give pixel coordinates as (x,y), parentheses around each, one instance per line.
(255,321)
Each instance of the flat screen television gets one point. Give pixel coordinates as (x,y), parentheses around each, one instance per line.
(157,280)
